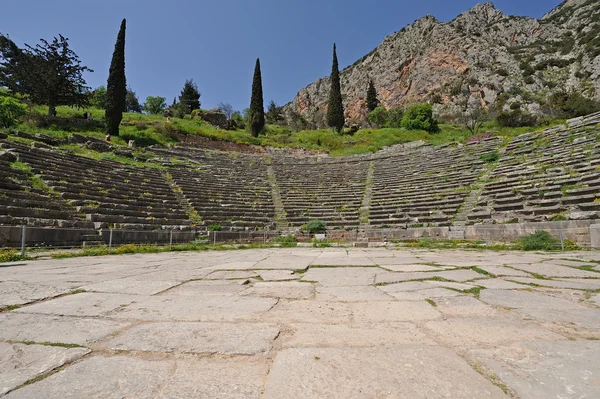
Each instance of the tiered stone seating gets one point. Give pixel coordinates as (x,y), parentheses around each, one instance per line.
(230,190)
(109,193)
(551,175)
(425,186)
(21,203)
(325,189)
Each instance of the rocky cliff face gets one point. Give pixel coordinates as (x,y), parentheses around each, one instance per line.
(481,57)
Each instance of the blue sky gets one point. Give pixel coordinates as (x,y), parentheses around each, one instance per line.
(217,42)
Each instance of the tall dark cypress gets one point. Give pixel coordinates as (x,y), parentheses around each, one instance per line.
(256,114)
(372,101)
(335,110)
(116,89)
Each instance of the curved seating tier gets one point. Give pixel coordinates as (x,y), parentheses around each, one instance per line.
(553,175)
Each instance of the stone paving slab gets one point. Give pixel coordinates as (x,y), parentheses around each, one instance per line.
(452,275)
(120,377)
(342,276)
(19,293)
(575,285)
(56,329)
(189,308)
(289,311)
(131,286)
(278,275)
(352,335)
(388,372)
(501,271)
(465,306)
(207,287)
(485,332)
(351,294)
(200,338)
(498,283)
(549,270)
(410,268)
(83,304)
(231,275)
(549,370)
(287,290)
(378,312)
(525,299)
(573,318)
(20,363)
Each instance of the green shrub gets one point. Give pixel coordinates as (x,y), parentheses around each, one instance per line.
(315,226)
(288,241)
(378,117)
(573,104)
(540,241)
(9,255)
(395,116)
(516,118)
(491,157)
(214,227)
(10,111)
(420,117)
(141,138)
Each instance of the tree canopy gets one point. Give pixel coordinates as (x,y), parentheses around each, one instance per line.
(48,74)
(256,114)
(116,89)
(372,101)
(190,96)
(335,109)
(155,105)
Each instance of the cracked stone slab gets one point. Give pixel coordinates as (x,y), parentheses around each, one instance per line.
(207,287)
(120,377)
(278,275)
(353,335)
(19,293)
(289,311)
(501,271)
(342,276)
(483,332)
(596,299)
(384,372)
(231,275)
(131,286)
(287,290)
(573,318)
(20,363)
(189,308)
(500,284)
(56,329)
(83,304)
(200,338)
(464,306)
(460,276)
(576,285)
(378,312)
(410,268)
(525,299)
(351,294)
(552,370)
(549,270)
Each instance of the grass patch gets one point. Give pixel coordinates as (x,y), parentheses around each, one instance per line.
(9,255)
(475,291)
(481,271)
(431,302)
(539,276)
(588,268)
(10,307)
(58,344)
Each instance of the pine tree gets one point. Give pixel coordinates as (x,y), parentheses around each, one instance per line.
(190,96)
(335,110)
(372,101)
(116,89)
(256,114)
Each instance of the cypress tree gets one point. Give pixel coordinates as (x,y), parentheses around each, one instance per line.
(190,96)
(335,110)
(256,113)
(372,101)
(116,89)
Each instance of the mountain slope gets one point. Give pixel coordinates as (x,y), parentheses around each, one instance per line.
(482,56)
